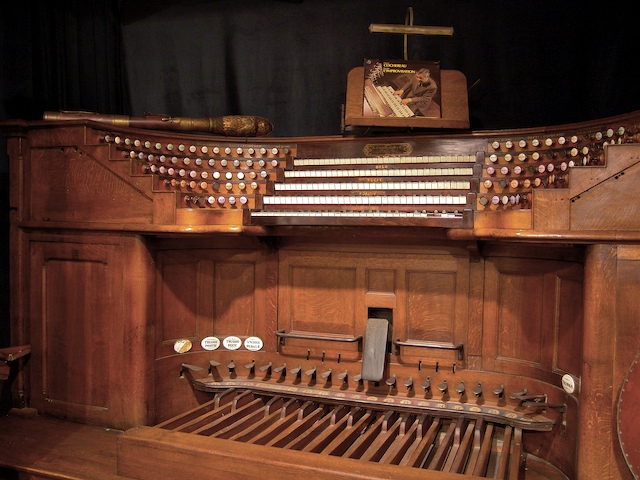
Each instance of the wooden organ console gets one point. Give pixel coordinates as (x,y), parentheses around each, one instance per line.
(401,306)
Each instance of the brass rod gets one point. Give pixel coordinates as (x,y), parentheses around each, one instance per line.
(410,29)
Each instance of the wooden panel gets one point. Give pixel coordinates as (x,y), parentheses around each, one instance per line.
(426,291)
(517,219)
(178,299)
(435,290)
(570,325)
(155,453)
(80,305)
(473,347)
(526,302)
(613,204)
(618,159)
(627,347)
(381,280)
(313,305)
(76,326)
(431,306)
(552,210)
(628,316)
(80,189)
(234,294)
(520,297)
(208,292)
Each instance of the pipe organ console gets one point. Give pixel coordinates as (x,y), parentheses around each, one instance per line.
(432,305)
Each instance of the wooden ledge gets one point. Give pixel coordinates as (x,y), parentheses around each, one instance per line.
(9,354)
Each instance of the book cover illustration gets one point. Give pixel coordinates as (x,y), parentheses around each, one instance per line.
(401,88)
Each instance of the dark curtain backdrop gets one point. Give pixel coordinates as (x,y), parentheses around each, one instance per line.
(535,62)
(527,63)
(61,54)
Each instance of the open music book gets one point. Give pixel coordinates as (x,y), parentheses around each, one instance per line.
(401,88)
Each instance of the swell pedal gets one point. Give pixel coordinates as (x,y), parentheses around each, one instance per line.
(375,349)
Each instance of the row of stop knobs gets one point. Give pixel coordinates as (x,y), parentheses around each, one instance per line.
(205,149)
(608,134)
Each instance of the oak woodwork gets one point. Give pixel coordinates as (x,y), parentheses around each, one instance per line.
(109,272)
(88,328)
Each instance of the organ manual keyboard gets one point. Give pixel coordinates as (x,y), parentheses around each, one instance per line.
(382,101)
(436,305)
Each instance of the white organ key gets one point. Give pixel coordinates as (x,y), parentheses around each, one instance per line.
(385,160)
(352,214)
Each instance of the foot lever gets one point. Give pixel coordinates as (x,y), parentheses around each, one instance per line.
(375,349)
